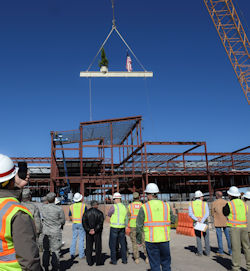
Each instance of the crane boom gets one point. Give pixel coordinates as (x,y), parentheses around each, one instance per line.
(234,39)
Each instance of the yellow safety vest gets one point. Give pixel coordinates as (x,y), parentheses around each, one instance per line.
(77,211)
(134,208)
(8,208)
(118,218)
(157,221)
(238,214)
(199,208)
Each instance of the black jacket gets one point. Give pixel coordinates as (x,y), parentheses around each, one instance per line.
(93,219)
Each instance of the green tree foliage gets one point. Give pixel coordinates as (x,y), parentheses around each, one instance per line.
(104,61)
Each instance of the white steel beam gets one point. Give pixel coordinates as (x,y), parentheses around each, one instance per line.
(116,74)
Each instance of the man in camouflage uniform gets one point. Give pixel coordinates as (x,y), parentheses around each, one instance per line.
(53,222)
(40,207)
(26,197)
(133,210)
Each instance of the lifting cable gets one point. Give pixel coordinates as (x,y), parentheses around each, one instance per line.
(90,101)
(119,34)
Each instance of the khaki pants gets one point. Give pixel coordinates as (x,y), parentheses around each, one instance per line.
(135,245)
(239,238)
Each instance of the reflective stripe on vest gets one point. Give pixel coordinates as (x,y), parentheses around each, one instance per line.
(77,211)
(238,214)
(157,225)
(134,208)
(198,207)
(8,208)
(117,219)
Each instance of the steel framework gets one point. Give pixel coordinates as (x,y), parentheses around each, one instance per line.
(234,39)
(108,155)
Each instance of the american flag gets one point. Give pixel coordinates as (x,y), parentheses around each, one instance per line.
(129,63)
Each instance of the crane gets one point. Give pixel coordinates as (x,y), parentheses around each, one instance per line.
(234,39)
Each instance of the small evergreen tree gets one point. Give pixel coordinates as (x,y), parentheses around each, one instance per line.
(104,61)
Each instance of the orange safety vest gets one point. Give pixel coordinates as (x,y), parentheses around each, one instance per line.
(238,214)
(157,221)
(8,209)
(134,208)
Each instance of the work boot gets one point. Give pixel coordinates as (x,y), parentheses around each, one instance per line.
(137,261)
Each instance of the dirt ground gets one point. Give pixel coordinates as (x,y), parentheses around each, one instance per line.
(182,253)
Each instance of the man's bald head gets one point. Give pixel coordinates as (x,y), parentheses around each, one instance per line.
(218,194)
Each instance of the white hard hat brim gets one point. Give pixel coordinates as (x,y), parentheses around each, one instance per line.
(10,176)
(150,192)
(233,194)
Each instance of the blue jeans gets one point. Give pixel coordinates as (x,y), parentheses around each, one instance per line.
(159,256)
(117,235)
(77,229)
(219,239)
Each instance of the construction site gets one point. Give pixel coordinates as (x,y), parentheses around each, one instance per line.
(114,152)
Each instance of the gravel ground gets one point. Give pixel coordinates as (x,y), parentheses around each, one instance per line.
(182,252)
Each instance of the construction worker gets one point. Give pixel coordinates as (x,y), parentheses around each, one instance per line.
(236,211)
(19,250)
(53,222)
(154,218)
(118,219)
(198,210)
(133,210)
(26,202)
(220,223)
(247,201)
(76,212)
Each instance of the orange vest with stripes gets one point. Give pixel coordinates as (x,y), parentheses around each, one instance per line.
(134,208)
(238,214)
(8,208)
(77,211)
(157,221)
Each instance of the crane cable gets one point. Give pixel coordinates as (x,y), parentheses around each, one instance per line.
(119,34)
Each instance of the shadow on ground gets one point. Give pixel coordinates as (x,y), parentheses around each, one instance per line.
(225,262)
(192,249)
(64,251)
(67,264)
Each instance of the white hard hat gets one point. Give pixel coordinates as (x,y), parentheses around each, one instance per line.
(152,188)
(77,197)
(57,200)
(198,194)
(233,191)
(247,195)
(117,195)
(7,168)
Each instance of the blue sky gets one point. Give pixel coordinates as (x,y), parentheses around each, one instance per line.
(194,94)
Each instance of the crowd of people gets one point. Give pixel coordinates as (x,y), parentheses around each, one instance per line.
(25,229)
